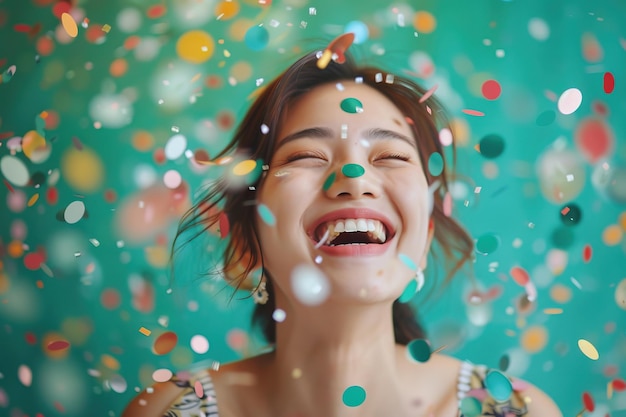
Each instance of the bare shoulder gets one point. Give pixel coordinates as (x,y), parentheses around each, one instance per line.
(539,404)
(152,401)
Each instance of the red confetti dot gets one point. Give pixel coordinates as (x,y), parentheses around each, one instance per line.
(619,385)
(34,260)
(491,89)
(110,196)
(473,112)
(30,337)
(156,11)
(95,33)
(588,402)
(519,275)
(609,82)
(159,156)
(224,225)
(52,196)
(110,299)
(58,345)
(60,8)
(21,27)
(594,139)
(587,253)
(225,120)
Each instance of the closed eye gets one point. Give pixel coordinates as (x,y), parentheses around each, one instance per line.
(305,155)
(394,156)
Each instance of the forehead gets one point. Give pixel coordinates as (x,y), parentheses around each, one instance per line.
(346,102)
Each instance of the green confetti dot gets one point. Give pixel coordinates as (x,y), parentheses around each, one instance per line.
(352,170)
(408,261)
(471,407)
(409,292)
(498,385)
(571,215)
(491,146)
(504,362)
(329,181)
(487,243)
(546,118)
(435,164)
(266,214)
(351,105)
(354,396)
(562,237)
(419,350)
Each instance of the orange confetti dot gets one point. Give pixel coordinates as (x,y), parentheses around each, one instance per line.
(15,249)
(534,339)
(118,67)
(110,299)
(145,331)
(622,220)
(32,200)
(226,9)
(110,362)
(156,11)
(520,276)
(553,311)
(69,24)
(612,235)
(165,343)
(142,141)
(131,42)
(44,46)
(560,293)
(95,34)
(39,284)
(424,22)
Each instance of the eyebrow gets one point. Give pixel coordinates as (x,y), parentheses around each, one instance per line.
(326,133)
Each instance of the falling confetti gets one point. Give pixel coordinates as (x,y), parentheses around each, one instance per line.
(588,349)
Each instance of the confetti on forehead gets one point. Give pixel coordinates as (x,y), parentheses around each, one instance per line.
(351,105)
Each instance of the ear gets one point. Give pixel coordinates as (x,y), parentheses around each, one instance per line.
(431,234)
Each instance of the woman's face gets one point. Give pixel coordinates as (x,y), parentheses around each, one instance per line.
(383,201)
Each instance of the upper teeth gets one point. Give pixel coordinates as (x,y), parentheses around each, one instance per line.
(374,228)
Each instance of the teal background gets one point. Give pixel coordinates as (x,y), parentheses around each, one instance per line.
(108,359)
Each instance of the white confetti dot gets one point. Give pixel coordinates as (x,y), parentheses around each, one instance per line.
(199,344)
(74,212)
(570,101)
(309,285)
(538,29)
(175,147)
(279,315)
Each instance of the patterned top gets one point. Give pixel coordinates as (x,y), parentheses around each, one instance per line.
(473,391)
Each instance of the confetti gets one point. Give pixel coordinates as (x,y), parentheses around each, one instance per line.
(165,343)
(498,385)
(354,396)
(69,24)
(588,349)
(473,112)
(351,105)
(144,331)
(266,214)
(609,82)
(419,350)
(352,170)
(491,89)
(570,101)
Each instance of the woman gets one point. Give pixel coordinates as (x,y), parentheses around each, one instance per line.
(340,223)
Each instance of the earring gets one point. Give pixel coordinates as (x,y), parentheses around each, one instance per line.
(260,294)
(419,277)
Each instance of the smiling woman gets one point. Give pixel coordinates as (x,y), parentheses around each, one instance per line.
(338,226)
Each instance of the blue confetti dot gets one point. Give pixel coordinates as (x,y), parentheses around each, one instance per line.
(498,385)
(408,261)
(409,292)
(354,396)
(360,30)
(257,38)
(435,164)
(266,214)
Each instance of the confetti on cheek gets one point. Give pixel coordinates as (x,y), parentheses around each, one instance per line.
(354,396)
(329,181)
(351,105)
(498,385)
(609,82)
(266,215)
(588,349)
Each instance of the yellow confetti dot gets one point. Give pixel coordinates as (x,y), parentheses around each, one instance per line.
(106,28)
(145,331)
(612,235)
(157,256)
(424,22)
(534,339)
(195,46)
(69,24)
(560,293)
(226,9)
(33,200)
(83,170)
(296,373)
(244,167)
(622,220)
(110,362)
(552,311)
(588,349)
(32,141)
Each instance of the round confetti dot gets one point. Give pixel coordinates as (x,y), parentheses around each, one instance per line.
(353,396)
(82,169)
(33,260)
(498,385)
(424,22)
(534,339)
(118,384)
(74,212)
(569,101)
(309,285)
(110,362)
(351,105)
(162,375)
(594,138)
(504,362)
(419,350)
(118,67)
(445,136)
(571,214)
(172,179)
(352,170)
(25,375)
(360,30)
(237,339)
(226,9)
(588,349)
(31,142)
(620,294)
(165,343)
(612,235)
(520,276)
(14,170)
(471,407)
(487,243)
(491,89)
(491,146)
(257,38)
(195,46)
(69,24)
(609,82)
(279,315)
(266,214)
(175,147)
(409,292)
(435,164)
(560,293)
(546,118)
(199,344)
(244,167)
(562,237)
(538,29)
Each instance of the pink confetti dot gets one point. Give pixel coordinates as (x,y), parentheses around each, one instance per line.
(491,89)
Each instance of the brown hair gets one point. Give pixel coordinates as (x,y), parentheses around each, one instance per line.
(241,254)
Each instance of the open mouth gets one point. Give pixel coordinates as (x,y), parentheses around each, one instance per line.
(351,232)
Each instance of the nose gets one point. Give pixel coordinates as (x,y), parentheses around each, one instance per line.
(352,181)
